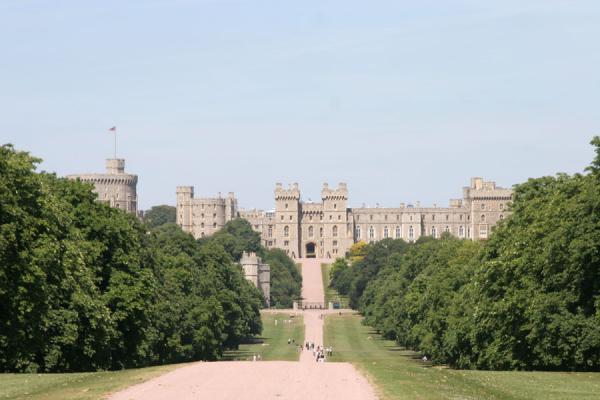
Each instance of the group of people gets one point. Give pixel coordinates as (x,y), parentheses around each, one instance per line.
(319,351)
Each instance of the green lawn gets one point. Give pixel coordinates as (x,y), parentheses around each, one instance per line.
(272,345)
(399,374)
(330,293)
(84,386)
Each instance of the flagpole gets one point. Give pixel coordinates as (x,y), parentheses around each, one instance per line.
(115,144)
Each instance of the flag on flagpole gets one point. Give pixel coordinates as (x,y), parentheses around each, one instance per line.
(113,129)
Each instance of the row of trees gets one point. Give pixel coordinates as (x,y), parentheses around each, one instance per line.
(87,287)
(528,298)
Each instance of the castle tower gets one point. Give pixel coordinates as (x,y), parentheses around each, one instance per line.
(115,187)
(185,196)
(231,207)
(287,224)
(258,273)
(338,230)
(488,204)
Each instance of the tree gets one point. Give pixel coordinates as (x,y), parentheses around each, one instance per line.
(160,215)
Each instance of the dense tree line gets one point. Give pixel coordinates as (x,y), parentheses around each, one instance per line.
(528,298)
(238,236)
(87,287)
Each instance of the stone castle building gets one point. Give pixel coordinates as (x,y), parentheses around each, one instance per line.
(258,273)
(115,187)
(204,216)
(328,228)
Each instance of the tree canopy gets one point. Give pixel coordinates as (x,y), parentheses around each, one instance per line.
(528,298)
(160,215)
(85,287)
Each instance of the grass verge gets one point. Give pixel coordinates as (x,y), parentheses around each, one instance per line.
(331,295)
(273,344)
(399,374)
(80,386)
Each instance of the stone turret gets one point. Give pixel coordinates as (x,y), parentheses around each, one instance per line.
(258,273)
(115,187)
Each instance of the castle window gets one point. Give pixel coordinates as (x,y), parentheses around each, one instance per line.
(310,217)
(433,217)
(291,217)
(334,206)
(483,230)
(447,217)
(339,217)
(286,231)
(214,215)
(411,232)
(501,206)
(468,217)
(270,231)
(358,217)
(202,207)
(482,206)
(461,217)
(201,215)
(469,232)
(447,229)
(286,242)
(433,231)
(357,231)
(214,225)
(202,234)
(385,218)
(202,225)
(501,216)
(331,217)
(286,206)
(371,233)
(310,231)
(386,232)
(411,217)
(320,232)
(282,217)
(371,217)
(461,231)
(482,217)
(335,243)
(335,231)
(398,217)
(398,232)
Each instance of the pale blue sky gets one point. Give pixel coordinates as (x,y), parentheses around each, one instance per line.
(404,101)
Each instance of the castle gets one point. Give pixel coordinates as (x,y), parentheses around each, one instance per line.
(115,187)
(328,228)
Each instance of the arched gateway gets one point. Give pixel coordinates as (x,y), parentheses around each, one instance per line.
(311,250)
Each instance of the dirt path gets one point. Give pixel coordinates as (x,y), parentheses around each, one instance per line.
(312,280)
(246,380)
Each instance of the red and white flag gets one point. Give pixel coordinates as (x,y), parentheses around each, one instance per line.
(113,129)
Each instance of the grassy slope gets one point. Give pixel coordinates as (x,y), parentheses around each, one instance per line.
(399,374)
(330,293)
(92,385)
(274,339)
